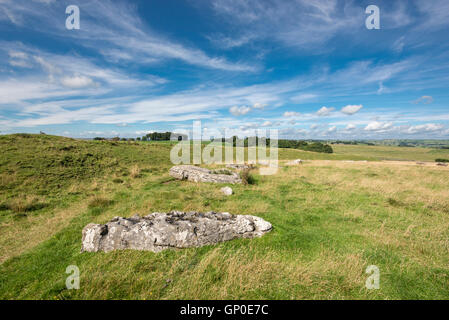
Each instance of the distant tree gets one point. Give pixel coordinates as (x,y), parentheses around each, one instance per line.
(138,138)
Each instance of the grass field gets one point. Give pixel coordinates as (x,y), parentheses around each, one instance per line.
(331,220)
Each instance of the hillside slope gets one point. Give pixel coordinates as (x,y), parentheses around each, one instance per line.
(331,220)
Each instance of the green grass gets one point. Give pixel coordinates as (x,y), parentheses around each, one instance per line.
(389,153)
(331,220)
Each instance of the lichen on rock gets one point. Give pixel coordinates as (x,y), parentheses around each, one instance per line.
(159,231)
(198,174)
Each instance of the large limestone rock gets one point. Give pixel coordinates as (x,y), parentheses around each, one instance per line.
(159,231)
(197,174)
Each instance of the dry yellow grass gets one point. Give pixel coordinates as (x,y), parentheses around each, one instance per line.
(331,220)
(16,238)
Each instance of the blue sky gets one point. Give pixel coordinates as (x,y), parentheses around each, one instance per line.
(310,69)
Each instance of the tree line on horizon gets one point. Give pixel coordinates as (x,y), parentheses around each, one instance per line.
(248,141)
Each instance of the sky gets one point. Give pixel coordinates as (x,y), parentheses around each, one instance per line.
(310,69)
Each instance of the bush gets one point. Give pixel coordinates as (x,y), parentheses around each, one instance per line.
(319,147)
(442,160)
(247,177)
(302,145)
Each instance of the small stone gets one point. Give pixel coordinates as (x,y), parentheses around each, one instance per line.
(226,191)
(294,162)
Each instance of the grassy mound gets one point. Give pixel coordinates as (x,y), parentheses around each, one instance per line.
(331,220)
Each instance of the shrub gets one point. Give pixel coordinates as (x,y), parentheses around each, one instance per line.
(442,160)
(318,147)
(247,177)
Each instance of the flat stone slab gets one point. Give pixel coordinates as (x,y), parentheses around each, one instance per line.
(197,174)
(160,231)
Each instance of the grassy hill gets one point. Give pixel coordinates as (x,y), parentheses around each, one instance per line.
(331,220)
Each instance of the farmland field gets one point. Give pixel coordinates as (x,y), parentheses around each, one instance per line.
(332,217)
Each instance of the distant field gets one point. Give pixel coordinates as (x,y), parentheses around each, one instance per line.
(390,153)
(331,220)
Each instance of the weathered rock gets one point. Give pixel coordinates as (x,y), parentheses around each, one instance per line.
(442,164)
(226,190)
(159,231)
(238,166)
(197,174)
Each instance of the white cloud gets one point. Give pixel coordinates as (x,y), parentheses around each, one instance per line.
(351,109)
(77,82)
(267,124)
(303,97)
(17,55)
(259,106)
(113,27)
(19,63)
(18,59)
(242,110)
(289,114)
(350,127)
(378,126)
(324,111)
(239,111)
(302,24)
(332,129)
(424,99)
(428,127)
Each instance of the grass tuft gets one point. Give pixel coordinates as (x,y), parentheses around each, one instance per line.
(100,202)
(247,177)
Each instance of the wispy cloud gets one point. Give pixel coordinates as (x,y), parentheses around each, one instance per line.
(117,26)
